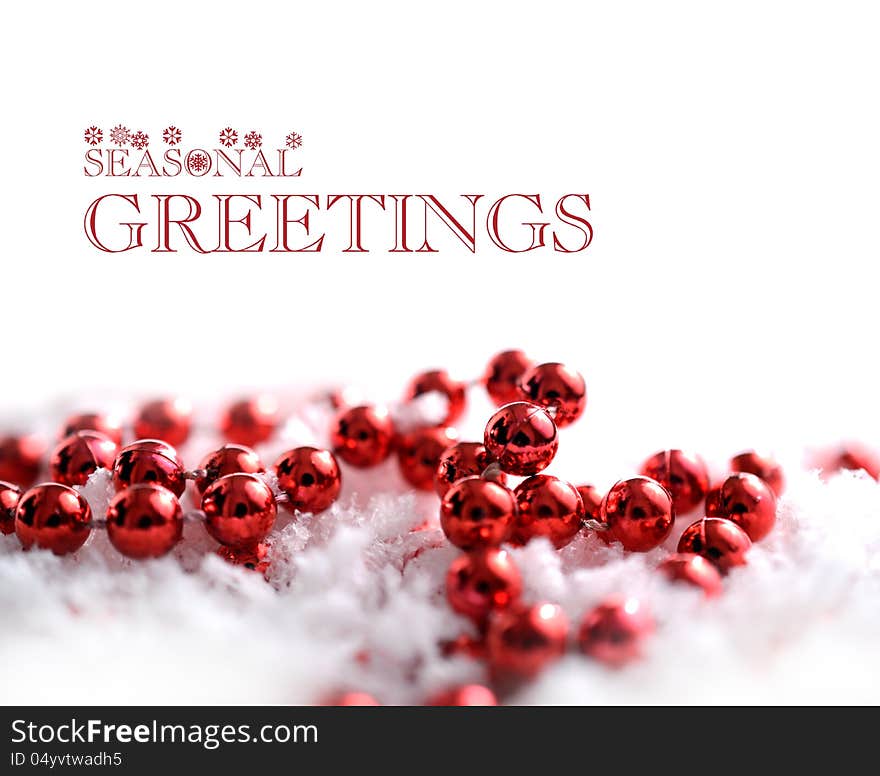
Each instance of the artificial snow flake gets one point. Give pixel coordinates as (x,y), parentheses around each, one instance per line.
(139,139)
(120,135)
(93,135)
(171,135)
(253,140)
(197,162)
(228,137)
(294,140)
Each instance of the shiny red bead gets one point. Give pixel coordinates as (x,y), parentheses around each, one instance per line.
(419,453)
(239,510)
(309,477)
(93,421)
(21,458)
(639,513)
(363,436)
(722,542)
(683,474)
(169,420)
(439,381)
(503,375)
(482,582)
(855,457)
(477,513)
(763,466)
(250,421)
(547,506)
(468,695)
(229,459)
(10,494)
(693,570)
(613,632)
(523,640)
(522,438)
(149,461)
(144,521)
(79,455)
(748,501)
(465,459)
(352,699)
(591,497)
(255,558)
(556,386)
(53,517)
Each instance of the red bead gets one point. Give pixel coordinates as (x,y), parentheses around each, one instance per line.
(639,513)
(149,461)
(229,459)
(524,640)
(439,381)
(20,459)
(352,699)
(713,500)
(613,632)
(239,510)
(144,521)
(693,570)
(309,477)
(93,421)
(855,457)
(79,455)
(254,558)
(53,517)
(522,438)
(419,453)
(547,506)
(683,474)
(468,695)
(477,513)
(250,421)
(592,501)
(169,420)
(503,375)
(10,495)
(362,436)
(722,542)
(465,459)
(762,466)
(557,386)
(748,501)
(482,582)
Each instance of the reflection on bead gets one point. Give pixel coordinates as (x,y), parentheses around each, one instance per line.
(549,507)
(693,570)
(465,459)
(79,455)
(309,477)
(477,513)
(169,420)
(557,386)
(748,501)
(482,582)
(722,542)
(525,639)
(20,459)
(419,453)
(763,466)
(639,513)
(229,459)
(93,421)
(362,436)
(503,375)
(522,438)
(613,631)
(255,558)
(250,421)
(149,461)
(10,494)
(53,517)
(239,510)
(144,521)
(683,474)
(467,695)
(439,381)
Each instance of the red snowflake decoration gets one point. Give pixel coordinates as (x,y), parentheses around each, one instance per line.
(139,140)
(197,162)
(93,136)
(253,140)
(119,135)
(172,135)
(294,140)
(228,137)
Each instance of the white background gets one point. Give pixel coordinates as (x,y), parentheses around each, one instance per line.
(730,152)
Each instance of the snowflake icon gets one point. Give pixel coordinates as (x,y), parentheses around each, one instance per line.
(197,162)
(228,137)
(294,140)
(139,140)
(93,136)
(172,135)
(119,135)
(253,140)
